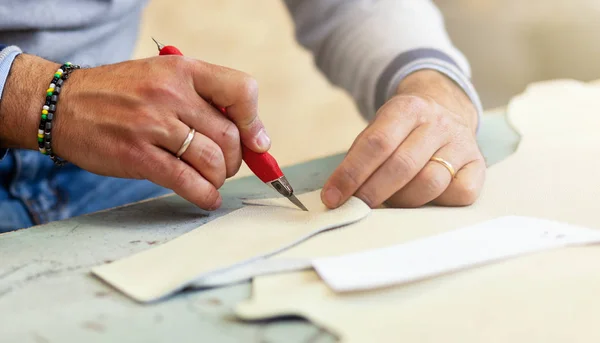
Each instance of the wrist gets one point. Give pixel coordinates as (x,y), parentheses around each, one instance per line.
(22,101)
(443,90)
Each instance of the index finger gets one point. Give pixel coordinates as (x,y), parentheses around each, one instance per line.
(369,151)
(237,93)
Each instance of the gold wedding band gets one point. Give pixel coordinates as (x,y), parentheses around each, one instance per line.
(445,164)
(186,143)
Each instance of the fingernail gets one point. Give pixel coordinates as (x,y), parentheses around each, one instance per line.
(332,197)
(262,140)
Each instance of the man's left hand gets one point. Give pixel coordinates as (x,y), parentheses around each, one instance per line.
(390,161)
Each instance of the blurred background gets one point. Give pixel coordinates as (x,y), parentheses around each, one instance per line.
(509,44)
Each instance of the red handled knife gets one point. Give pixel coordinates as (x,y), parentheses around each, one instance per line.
(263,165)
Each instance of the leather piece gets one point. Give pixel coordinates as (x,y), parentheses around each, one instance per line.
(252,232)
(539,134)
(546,297)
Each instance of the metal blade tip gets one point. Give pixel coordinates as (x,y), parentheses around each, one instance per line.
(297,202)
(158,44)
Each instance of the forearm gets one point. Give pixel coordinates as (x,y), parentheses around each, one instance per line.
(22,100)
(368,48)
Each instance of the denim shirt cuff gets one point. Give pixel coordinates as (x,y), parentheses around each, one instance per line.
(7,57)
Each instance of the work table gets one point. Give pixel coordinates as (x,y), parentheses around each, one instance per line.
(47,293)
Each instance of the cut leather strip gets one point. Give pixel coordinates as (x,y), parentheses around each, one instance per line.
(546,297)
(250,233)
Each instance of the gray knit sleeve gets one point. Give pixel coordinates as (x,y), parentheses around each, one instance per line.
(368,47)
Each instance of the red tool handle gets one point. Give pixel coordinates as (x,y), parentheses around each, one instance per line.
(170,50)
(263,165)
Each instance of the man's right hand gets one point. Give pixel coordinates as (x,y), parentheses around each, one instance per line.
(129,120)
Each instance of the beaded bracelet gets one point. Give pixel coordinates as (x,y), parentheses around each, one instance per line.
(44,136)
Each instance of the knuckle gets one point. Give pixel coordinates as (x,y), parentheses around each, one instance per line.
(170,90)
(420,108)
(411,103)
(181,177)
(379,141)
(403,163)
(210,197)
(231,135)
(233,167)
(248,88)
(139,117)
(433,183)
(212,157)
(159,128)
(251,86)
(176,63)
(167,89)
(442,122)
(136,153)
(136,158)
(467,193)
(219,182)
(421,118)
(133,129)
(350,176)
(417,103)
(230,142)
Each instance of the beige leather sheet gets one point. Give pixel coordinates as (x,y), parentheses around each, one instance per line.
(545,297)
(254,231)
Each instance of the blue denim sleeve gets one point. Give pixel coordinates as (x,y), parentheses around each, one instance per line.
(7,56)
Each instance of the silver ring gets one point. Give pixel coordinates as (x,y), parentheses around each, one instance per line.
(186,143)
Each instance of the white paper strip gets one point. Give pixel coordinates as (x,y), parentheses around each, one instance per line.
(486,242)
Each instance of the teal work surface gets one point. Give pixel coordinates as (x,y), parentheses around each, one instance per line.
(47,293)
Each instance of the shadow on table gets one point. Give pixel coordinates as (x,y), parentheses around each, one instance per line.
(168,210)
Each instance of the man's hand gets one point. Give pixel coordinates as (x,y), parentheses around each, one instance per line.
(390,161)
(129,120)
